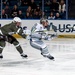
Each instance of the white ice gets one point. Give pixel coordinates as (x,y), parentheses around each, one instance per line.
(63,49)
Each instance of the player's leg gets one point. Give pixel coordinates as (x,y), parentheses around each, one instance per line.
(2,45)
(42,47)
(13,41)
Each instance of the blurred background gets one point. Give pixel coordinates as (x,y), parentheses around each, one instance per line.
(35,9)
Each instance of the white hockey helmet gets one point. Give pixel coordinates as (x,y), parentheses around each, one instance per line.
(16,19)
(43,20)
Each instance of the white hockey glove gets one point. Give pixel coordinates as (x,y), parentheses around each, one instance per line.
(27,32)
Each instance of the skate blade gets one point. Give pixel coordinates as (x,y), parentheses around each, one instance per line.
(24,57)
(1,58)
(52,59)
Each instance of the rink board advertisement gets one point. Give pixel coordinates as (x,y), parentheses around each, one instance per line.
(64,27)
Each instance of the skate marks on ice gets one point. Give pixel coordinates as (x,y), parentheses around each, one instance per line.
(39,66)
(64,63)
(28,62)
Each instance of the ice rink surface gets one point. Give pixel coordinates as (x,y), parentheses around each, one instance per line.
(63,49)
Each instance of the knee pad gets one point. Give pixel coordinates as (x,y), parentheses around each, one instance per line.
(16,43)
(43,46)
(45,51)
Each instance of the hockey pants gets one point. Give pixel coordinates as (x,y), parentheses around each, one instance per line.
(39,44)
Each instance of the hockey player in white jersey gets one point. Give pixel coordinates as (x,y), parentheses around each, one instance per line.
(36,35)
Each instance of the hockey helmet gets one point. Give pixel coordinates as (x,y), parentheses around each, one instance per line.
(43,20)
(16,19)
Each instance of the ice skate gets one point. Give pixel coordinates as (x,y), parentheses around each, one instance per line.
(24,55)
(50,57)
(1,56)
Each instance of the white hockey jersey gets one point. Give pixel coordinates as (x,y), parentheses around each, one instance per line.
(37,31)
(37,27)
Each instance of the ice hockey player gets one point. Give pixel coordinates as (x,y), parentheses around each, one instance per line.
(6,33)
(36,36)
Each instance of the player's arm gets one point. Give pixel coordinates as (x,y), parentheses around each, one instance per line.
(20,32)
